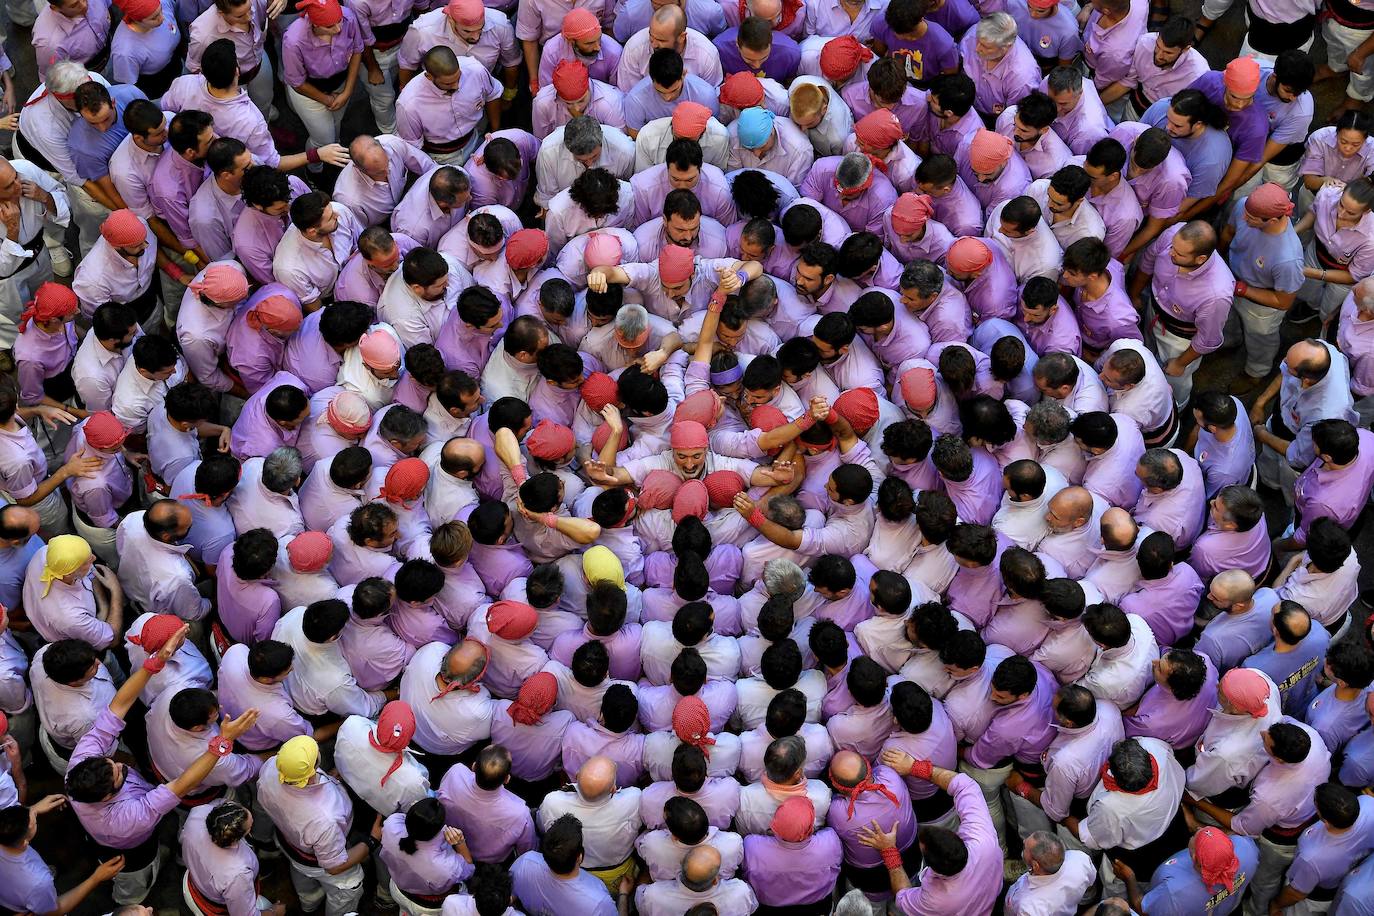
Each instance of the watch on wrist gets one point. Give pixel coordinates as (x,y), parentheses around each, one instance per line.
(220,746)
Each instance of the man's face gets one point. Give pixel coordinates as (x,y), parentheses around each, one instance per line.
(101,120)
(752,250)
(588,47)
(1161,669)
(1236,102)
(914,302)
(1178,127)
(156,138)
(449,83)
(685,179)
(1103,181)
(690,460)
(578,107)
(374,163)
(670,92)
(390,533)
(1036,314)
(730,337)
(1073,279)
(1181,254)
(240,17)
(1066,101)
(681,231)
(814,120)
(828,353)
(1002,697)
(990,52)
(1059,524)
(664,36)
(1112,379)
(10,185)
(470,403)
(809,279)
(234,177)
(278,208)
(1165,56)
(989,176)
(754,60)
(203,142)
(329,221)
(434,291)
(133,253)
(1023,132)
(471,34)
(72,9)
(1349,209)
(1216,511)
(384,264)
(1060,205)
(289,425)
(589,160)
(756,396)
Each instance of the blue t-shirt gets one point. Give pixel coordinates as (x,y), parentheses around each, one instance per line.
(1178,890)
(1208,155)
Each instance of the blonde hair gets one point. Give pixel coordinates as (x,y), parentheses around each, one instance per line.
(806,99)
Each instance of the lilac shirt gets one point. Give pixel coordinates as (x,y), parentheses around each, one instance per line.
(130,817)
(1178,723)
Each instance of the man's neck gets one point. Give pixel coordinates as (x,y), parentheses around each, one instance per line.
(1225,433)
(1097,286)
(228,93)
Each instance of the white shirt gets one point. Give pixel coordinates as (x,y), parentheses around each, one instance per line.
(135,395)
(1150,401)
(757,806)
(883,639)
(1231,750)
(1326,596)
(66,712)
(663,853)
(320,680)
(1132,821)
(753,744)
(755,694)
(1024,522)
(1122,675)
(157,575)
(32,215)
(95,371)
(658,648)
(447,725)
(609,825)
(187,668)
(659,747)
(668,898)
(1053,895)
(654,138)
(1116,572)
(362,767)
(1074,549)
(557,168)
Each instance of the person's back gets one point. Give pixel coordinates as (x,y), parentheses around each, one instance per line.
(553,883)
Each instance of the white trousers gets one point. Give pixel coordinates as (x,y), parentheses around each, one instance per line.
(993,784)
(1260,327)
(1327,298)
(320,123)
(1168,346)
(1273,862)
(1340,41)
(261,87)
(382,97)
(340,894)
(102,541)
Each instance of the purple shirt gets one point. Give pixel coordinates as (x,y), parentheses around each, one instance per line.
(1337,493)
(1010,182)
(1200,297)
(1005,82)
(1167,604)
(1111,316)
(926,57)
(1111,475)
(1161,189)
(235,117)
(504,827)
(991,294)
(643,103)
(57,37)
(130,817)
(1216,550)
(256,434)
(781,63)
(978,884)
(1021,730)
(426,114)
(788,874)
(1108,48)
(541,891)
(1178,723)
(868,807)
(248,609)
(1324,858)
(39,355)
(1248,128)
(863,212)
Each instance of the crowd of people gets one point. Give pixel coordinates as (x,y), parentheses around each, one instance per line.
(687,457)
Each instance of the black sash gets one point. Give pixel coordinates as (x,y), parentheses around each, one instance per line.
(1276,37)
(1349,15)
(329,84)
(389,36)
(34,246)
(27,151)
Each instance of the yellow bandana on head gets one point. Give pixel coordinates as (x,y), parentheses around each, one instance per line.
(66,554)
(601,565)
(297,759)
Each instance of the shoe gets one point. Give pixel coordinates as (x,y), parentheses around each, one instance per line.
(1244,384)
(61,261)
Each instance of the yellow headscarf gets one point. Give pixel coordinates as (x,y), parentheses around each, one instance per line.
(66,554)
(600,564)
(296,761)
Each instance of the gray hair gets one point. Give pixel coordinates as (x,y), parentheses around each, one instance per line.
(783,579)
(853,170)
(1048,422)
(1064,79)
(758,296)
(65,75)
(1046,850)
(1162,468)
(997,29)
(854,903)
(924,276)
(784,757)
(282,469)
(632,320)
(582,135)
(786,511)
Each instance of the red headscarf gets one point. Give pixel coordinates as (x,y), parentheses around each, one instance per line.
(536,697)
(867,784)
(395,728)
(692,724)
(52,300)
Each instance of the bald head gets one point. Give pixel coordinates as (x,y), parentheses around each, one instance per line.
(848,769)
(167,520)
(766,9)
(441,61)
(1233,587)
(10,187)
(1118,529)
(1309,361)
(462,457)
(700,867)
(465,662)
(1068,509)
(369,157)
(667,22)
(18,523)
(596,778)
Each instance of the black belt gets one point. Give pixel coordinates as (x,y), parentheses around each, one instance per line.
(389,36)
(1139,100)
(431,901)
(1155,436)
(1323,894)
(1232,799)
(448,146)
(932,808)
(1289,155)
(1286,836)
(1349,15)
(329,84)
(294,854)
(155,85)
(1325,258)
(35,245)
(246,76)
(29,152)
(1175,326)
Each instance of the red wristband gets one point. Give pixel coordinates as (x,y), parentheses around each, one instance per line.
(175,272)
(550,520)
(220,746)
(1023,789)
(832,416)
(1241,287)
(805,421)
(519,474)
(921,769)
(756,518)
(892,857)
(152,664)
(312,156)
(717,302)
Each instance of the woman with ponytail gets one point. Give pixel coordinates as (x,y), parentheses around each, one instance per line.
(427,859)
